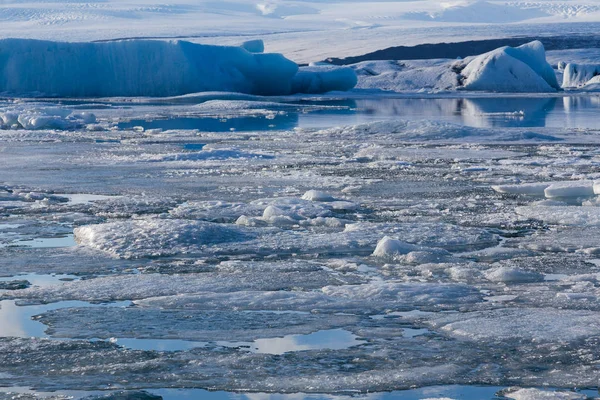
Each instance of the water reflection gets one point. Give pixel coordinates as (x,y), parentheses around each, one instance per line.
(279,121)
(333,339)
(54,242)
(487,112)
(17,321)
(482,112)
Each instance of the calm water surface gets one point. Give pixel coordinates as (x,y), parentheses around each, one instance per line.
(551,112)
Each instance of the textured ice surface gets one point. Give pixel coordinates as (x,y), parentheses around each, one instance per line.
(578,75)
(562,215)
(507,69)
(151,68)
(487,272)
(233,277)
(538,394)
(527,324)
(155,237)
(206,326)
(138,68)
(521,69)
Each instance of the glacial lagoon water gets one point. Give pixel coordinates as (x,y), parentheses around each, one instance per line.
(551,112)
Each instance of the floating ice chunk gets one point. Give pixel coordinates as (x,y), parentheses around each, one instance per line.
(276,216)
(212,210)
(532,189)
(272,211)
(44,118)
(315,195)
(418,294)
(147,323)
(508,69)
(597,187)
(539,324)
(540,394)
(155,237)
(578,75)
(513,275)
(388,247)
(85,117)
(550,189)
(562,215)
(323,79)
(251,277)
(570,189)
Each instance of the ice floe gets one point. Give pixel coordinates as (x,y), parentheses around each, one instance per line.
(155,237)
(44,118)
(527,324)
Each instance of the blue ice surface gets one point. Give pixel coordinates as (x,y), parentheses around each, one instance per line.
(153,68)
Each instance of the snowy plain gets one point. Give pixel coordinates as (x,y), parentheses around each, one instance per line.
(303,30)
(432,233)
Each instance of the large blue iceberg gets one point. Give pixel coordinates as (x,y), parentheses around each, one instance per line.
(147,68)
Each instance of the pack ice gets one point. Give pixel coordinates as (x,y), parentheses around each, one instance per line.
(155,68)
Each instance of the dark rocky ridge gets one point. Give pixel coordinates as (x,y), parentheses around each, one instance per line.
(468,48)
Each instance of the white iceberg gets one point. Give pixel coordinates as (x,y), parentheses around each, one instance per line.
(155,68)
(508,69)
(580,75)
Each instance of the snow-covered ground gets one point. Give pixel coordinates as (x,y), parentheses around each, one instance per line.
(304,30)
